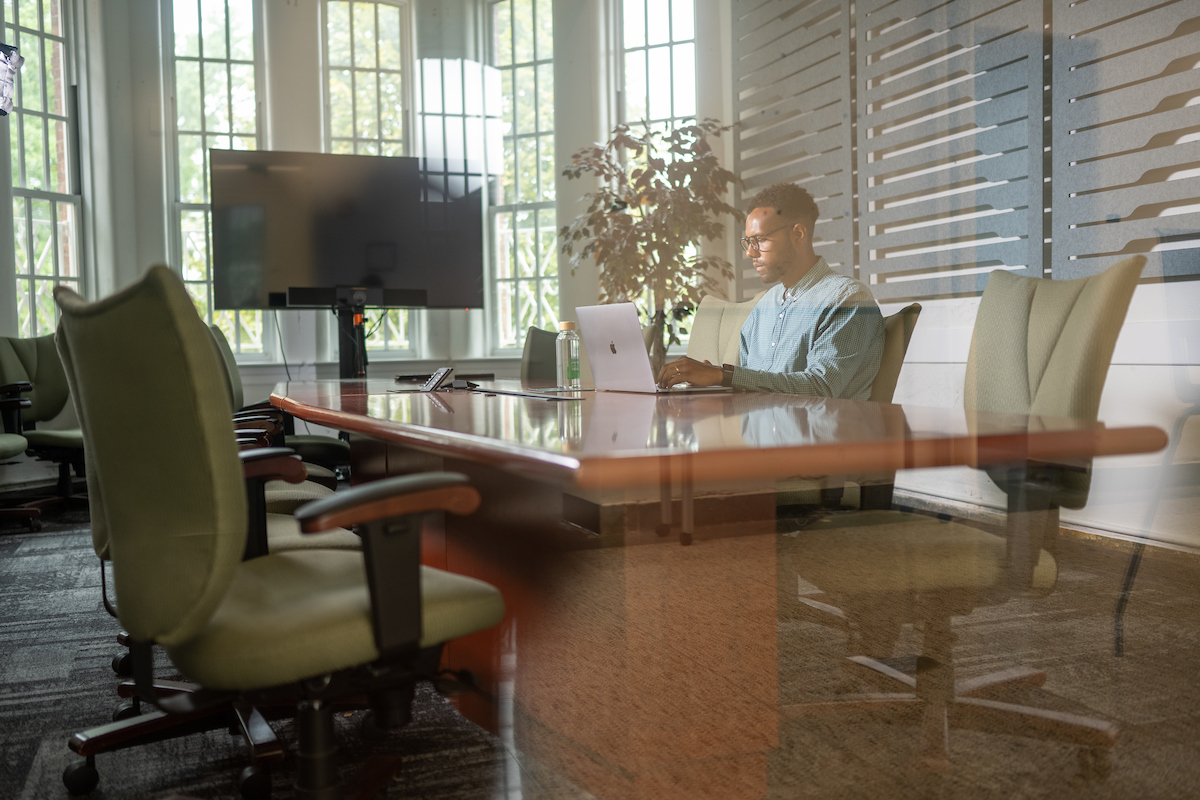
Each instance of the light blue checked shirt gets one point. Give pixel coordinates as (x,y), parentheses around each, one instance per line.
(826,339)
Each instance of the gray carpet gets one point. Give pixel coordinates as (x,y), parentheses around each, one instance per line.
(56,678)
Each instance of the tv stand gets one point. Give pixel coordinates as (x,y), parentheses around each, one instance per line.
(352,342)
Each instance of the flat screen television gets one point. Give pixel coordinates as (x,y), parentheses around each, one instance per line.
(300,229)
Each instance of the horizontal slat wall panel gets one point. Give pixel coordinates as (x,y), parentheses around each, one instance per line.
(1126,142)
(950,152)
(792,100)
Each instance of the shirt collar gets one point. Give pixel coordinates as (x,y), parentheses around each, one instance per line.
(810,279)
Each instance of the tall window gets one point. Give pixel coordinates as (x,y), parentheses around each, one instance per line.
(45,204)
(216,107)
(660,61)
(366,105)
(525,253)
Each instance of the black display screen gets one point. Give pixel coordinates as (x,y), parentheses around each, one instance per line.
(289,229)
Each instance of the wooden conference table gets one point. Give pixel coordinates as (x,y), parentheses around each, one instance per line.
(631,665)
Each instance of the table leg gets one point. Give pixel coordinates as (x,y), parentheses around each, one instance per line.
(664,499)
(687,512)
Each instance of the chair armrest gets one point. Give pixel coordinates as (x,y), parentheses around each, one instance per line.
(391,497)
(387,514)
(271,426)
(272,463)
(261,439)
(257,415)
(11,405)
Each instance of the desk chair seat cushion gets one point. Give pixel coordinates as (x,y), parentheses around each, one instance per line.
(325,451)
(12,444)
(301,614)
(283,535)
(321,475)
(894,551)
(70,439)
(284,498)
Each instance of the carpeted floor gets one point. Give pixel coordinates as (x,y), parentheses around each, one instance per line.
(56,678)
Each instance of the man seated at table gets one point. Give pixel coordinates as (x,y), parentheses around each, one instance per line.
(816,332)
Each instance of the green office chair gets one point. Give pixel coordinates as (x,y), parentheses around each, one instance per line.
(538,357)
(280,497)
(795,496)
(1040,347)
(12,445)
(304,627)
(326,451)
(271,499)
(36,362)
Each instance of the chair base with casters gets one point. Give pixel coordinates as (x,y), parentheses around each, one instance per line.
(880,570)
(314,703)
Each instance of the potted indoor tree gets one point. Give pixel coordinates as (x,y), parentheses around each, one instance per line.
(661,193)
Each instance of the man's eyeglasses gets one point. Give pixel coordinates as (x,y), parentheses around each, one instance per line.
(756,241)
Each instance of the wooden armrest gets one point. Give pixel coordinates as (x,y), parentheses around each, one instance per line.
(258,424)
(272,463)
(386,514)
(260,438)
(391,497)
(15,389)
(256,415)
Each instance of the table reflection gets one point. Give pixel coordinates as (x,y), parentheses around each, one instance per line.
(860,656)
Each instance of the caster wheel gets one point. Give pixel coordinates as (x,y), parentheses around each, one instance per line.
(81,777)
(127,710)
(685,538)
(255,783)
(452,683)
(1094,764)
(662,529)
(34,524)
(122,664)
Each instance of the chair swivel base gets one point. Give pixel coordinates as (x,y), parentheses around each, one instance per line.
(964,705)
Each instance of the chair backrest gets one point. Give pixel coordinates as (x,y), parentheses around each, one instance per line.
(1043,347)
(715,335)
(173,500)
(96,516)
(538,358)
(897,333)
(35,360)
(237,395)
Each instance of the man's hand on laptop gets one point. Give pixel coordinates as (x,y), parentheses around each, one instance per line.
(689,370)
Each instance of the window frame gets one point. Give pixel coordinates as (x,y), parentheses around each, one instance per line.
(537,209)
(414,320)
(26,284)
(174,206)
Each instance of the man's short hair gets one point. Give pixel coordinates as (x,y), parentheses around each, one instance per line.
(788,200)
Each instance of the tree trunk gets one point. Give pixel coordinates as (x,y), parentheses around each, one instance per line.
(658,351)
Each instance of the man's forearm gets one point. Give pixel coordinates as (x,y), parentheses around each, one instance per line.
(805,383)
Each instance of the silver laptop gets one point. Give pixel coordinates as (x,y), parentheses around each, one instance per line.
(617,354)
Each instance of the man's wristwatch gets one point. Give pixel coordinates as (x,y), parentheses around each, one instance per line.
(727,374)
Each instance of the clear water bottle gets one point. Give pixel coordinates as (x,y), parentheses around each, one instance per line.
(567,347)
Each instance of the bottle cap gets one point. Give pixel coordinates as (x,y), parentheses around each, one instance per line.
(566,325)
